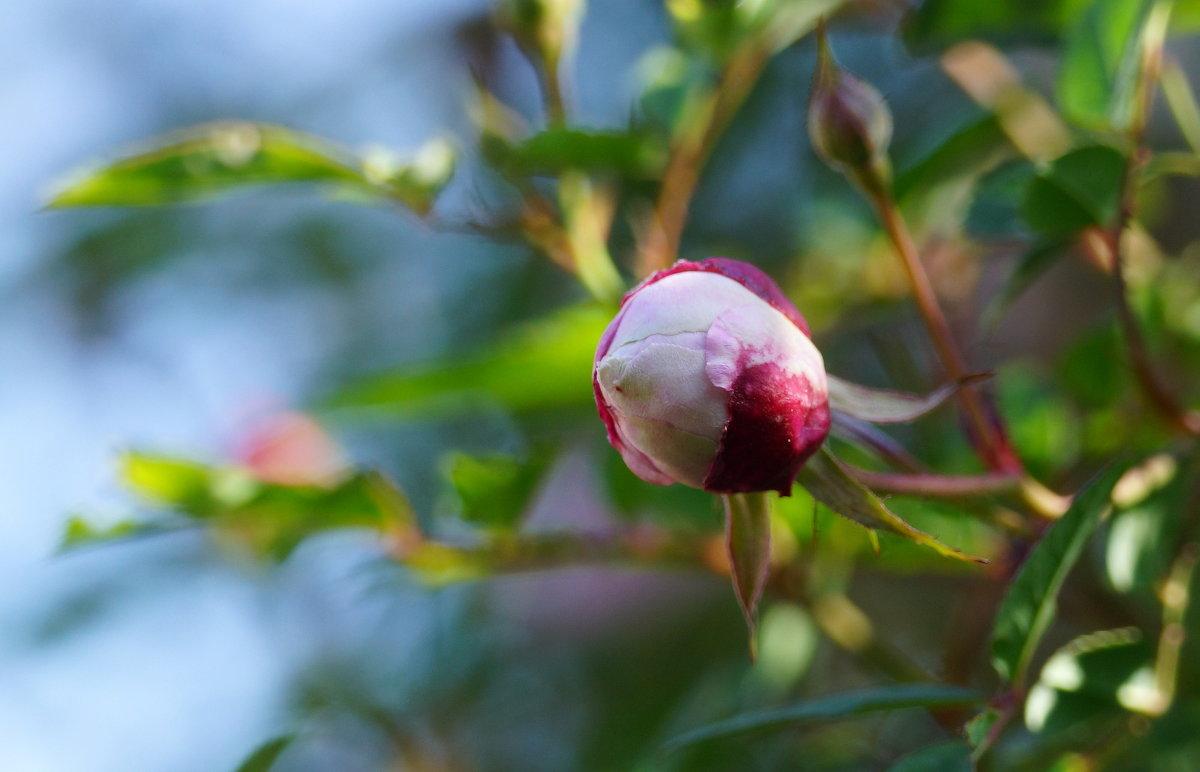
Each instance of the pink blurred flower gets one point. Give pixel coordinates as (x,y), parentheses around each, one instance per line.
(707,377)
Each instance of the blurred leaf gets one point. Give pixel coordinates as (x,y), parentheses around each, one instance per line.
(996,206)
(545,364)
(81,533)
(495,491)
(1031,600)
(1095,676)
(266,755)
(829,483)
(558,149)
(970,150)
(883,406)
(953,756)
(941,23)
(1143,533)
(205,161)
(838,706)
(748,545)
(1034,262)
(1100,61)
(270,519)
(1077,190)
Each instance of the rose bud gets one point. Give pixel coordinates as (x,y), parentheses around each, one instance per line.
(849,124)
(707,377)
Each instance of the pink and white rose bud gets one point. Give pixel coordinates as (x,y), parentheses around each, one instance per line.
(707,377)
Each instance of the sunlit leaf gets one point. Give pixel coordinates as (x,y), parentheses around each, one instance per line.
(1031,600)
(202,162)
(827,480)
(884,406)
(954,756)
(1078,190)
(546,364)
(493,492)
(1095,676)
(832,708)
(264,758)
(1100,60)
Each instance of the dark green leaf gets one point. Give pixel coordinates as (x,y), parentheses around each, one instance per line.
(953,756)
(555,150)
(1099,66)
(1094,676)
(1078,190)
(266,755)
(829,483)
(941,23)
(969,151)
(838,706)
(883,406)
(546,364)
(1029,605)
(996,207)
(494,491)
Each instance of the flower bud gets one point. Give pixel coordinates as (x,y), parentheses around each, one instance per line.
(707,377)
(849,124)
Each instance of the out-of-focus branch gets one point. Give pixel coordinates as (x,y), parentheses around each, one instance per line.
(704,120)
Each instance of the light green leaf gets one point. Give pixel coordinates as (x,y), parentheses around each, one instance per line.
(264,758)
(833,708)
(545,364)
(494,491)
(884,406)
(1100,61)
(205,161)
(1030,603)
(829,483)
(953,756)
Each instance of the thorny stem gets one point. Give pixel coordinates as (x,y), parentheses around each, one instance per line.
(698,135)
(986,432)
(1159,396)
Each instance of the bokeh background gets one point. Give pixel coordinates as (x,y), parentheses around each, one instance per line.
(189,330)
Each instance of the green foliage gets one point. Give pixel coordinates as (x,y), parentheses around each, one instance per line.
(495,491)
(557,149)
(841,706)
(1100,60)
(1031,600)
(954,756)
(265,756)
(1078,190)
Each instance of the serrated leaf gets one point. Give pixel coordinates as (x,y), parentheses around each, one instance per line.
(829,483)
(202,162)
(494,491)
(545,364)
(832,708)
(884,406)
(1030,603)
(264,758)
(748,545)
(1100,61)
(953,756)
(1078,190)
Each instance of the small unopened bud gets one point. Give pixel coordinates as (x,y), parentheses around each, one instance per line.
(849,124)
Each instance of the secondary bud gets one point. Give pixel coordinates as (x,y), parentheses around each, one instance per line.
(707,377)
(849,124)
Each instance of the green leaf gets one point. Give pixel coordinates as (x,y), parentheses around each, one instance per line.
(883,406)
(205,161)
(558,149)
(1093,677)
(545,364)
(953,756)
(826,479)
(269,519)
(1078,190)
(79,532)
(968,151)
(748,545)
(1030,266)
(494,491)
(833,708)
(1030,603)
(267,754)
(942,23)
(1100,61)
